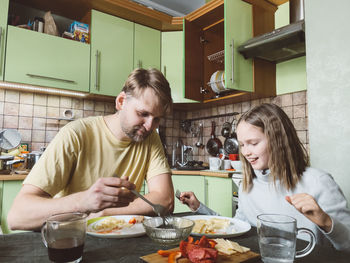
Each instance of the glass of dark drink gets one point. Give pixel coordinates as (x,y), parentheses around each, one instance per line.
(64,236)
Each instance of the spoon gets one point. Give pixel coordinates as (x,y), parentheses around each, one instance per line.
(200,144)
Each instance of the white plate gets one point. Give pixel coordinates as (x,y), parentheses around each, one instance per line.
(236,227)
(133,231)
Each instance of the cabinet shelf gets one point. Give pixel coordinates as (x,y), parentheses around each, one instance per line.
(218,57)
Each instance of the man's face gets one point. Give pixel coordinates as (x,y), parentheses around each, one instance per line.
(140,115)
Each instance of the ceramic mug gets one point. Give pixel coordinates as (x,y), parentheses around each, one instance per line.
(226,164)
(277,238)
(64,236)
(215,163)
(237,165)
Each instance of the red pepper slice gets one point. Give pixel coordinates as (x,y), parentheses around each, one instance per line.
(132,221)
(190,239)
(212,243)
(174,256)
(164,253)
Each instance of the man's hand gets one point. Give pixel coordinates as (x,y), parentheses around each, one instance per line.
(308,206)
(107,192)
(189,199)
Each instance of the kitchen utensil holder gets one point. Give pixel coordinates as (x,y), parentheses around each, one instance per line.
(187,122)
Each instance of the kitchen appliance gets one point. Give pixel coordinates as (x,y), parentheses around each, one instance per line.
(283,43)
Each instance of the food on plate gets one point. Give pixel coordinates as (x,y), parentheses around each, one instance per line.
(210,226)
(228,247)
(136,219)
(110,224)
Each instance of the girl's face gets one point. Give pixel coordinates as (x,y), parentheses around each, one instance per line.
(253,145)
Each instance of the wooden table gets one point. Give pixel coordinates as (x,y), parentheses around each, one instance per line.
(28,247)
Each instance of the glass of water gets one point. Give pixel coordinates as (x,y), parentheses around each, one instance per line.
(277,238)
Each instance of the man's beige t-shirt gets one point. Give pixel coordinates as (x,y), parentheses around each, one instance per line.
(85,150)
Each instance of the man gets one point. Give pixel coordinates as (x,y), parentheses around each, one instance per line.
(92,163)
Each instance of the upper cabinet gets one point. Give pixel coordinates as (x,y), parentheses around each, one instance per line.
(4,5)
(212,36)
(172,64)
(147,47)
(117,47)
(45,60)
(112,41)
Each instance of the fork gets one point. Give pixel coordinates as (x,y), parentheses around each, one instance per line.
(158,209)
(178,193)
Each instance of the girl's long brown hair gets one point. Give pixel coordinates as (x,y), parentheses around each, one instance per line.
(288,157)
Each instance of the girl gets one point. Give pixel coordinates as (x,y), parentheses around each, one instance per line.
(277,179)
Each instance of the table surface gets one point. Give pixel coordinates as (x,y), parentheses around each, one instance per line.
(28,247)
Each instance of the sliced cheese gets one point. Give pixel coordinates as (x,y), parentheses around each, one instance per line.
(229,247)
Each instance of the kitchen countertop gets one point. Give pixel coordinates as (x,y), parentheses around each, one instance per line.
(13,176)
(219,173)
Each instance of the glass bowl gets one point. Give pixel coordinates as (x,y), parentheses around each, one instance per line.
(172,233)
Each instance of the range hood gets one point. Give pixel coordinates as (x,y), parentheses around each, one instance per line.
(283,43)
(279,45)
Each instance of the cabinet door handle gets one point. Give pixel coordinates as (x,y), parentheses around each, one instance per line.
(206,190)
(164,71)
(233,61)
(139,64)
(50,78)
(97,72)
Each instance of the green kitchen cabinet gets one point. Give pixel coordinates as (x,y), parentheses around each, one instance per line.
(4,5)
(219,195)
(194,183)
(9,192)
(1,192)
(214,192)
(172,64)
(45,60)
(238,27)
(146,47)
(112,41)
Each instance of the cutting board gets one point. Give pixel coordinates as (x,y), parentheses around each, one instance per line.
(249,256)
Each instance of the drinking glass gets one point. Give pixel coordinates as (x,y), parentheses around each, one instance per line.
(277,238)
(64,236)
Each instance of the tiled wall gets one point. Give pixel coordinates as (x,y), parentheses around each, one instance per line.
(294,104)
(36,116)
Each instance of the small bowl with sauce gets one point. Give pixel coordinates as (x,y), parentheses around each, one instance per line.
(171,233)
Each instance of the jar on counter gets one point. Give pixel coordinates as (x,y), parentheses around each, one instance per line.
(38,24)
(32,158)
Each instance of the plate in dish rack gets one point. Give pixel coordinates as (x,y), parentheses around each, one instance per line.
(218,226)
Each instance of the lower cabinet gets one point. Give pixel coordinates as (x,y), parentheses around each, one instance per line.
(8,191)
(214,192)
(184,183)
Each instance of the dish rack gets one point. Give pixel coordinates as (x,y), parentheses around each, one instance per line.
(218,57)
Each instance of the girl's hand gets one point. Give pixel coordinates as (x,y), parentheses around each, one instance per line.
(308,206)
(189,198)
